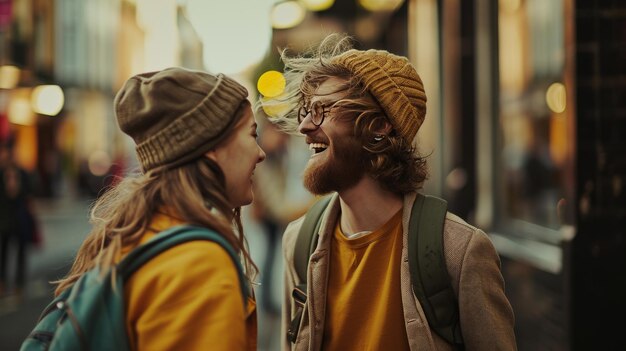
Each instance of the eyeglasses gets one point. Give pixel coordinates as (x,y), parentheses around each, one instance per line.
(317,110)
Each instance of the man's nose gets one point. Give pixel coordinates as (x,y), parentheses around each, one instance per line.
(307,126)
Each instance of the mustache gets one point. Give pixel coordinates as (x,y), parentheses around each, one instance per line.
(310,140)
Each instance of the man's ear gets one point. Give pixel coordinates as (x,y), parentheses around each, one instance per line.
(384,128)
(211,155)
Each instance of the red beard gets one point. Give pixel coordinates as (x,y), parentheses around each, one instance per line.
(344,166)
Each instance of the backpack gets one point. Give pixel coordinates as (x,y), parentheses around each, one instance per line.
(429,275)
(90,314)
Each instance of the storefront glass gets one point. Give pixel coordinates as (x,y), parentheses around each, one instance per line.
(532,152)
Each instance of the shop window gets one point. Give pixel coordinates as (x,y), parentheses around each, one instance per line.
(532,149)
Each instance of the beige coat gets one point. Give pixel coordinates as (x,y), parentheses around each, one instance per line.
(473,264)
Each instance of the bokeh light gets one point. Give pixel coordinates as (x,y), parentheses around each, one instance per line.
(9,77)
(47,99)
(381,5)
(318,5)
(19,109)
(99,163)
(236,34)
(271,84)
(287,14)
(556,97)
(274,107)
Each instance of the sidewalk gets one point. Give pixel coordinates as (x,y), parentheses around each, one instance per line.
(64,224)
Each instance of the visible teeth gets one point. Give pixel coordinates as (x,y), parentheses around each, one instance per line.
(317,146)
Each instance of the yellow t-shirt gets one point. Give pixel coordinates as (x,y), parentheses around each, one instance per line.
(188,298)
(364,304)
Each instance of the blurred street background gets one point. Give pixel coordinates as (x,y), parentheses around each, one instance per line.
(525,133)
(65,225)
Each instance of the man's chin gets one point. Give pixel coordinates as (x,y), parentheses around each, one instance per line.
(330,171)
(319,180)
(313,181)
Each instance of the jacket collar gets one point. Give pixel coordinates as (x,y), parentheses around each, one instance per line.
(319,265)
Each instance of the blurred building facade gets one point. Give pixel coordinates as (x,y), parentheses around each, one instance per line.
(528,132)
(525,127)
(88,48)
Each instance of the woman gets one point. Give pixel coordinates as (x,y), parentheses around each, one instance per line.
(196,143)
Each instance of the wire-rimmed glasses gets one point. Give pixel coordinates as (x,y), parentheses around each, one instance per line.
(317,110)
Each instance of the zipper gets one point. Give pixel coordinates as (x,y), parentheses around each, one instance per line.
(47,311)
(62,305)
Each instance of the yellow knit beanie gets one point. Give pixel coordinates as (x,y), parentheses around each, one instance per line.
(395,84)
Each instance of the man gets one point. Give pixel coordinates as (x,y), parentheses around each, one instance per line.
(359,112)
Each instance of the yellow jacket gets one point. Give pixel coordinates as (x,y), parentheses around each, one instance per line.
(188,298)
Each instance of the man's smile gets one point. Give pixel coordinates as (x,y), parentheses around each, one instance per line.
(318,147)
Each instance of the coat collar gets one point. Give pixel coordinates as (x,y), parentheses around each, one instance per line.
(318,275)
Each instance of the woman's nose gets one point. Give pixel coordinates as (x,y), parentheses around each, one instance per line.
(262,155)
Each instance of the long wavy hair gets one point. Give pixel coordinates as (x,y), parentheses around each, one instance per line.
(394,162)
(194,193)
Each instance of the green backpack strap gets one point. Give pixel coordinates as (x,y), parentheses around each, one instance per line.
(175,236)
(306,241)
(307,237)
(429,275)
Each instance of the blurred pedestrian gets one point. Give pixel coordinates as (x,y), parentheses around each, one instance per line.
(196,142)
(360,112)
(277,200)
(17,223)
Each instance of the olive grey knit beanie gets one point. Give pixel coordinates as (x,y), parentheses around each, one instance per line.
(176,115)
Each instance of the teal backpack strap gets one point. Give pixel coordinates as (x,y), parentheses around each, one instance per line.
(306,241)
(429,275)
(90,314)
(175,236)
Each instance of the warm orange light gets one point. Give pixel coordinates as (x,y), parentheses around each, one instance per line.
(9,77)
(558,139)
(19,109)
(26,147)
